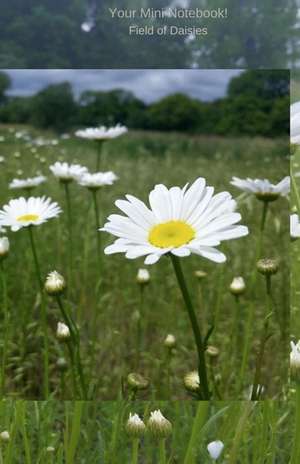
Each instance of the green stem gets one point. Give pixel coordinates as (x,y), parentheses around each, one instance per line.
(5,327)
(296,192)
(99,155)
(75,339)
(264,338)
(199,421)
(70,228)
(162,451)
(135,451)
(43,312)
(97,219)
(295,459)
(139,328)
(205,394)
(233,456)
(251,313)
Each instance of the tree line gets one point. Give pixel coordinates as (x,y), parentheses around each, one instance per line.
(257,103)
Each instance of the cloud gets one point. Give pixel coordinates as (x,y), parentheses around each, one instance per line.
(148,85)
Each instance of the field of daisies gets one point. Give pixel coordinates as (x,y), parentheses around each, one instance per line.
(143,266)
(184,432)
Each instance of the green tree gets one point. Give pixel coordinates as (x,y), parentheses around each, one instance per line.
(5,83)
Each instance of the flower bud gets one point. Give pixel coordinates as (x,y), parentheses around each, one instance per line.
(4,247)
(158,425)
(237,286)
(215,449)
(62,332)
(212,351)
(55,283)
(170,341)
(192,382)
(267,266)
(135,427)
(4,436)
(200,274)
(137,381)
(295,361)
(62,364)
(50,449)
(143,277)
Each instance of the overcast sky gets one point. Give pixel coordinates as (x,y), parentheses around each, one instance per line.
(148,85)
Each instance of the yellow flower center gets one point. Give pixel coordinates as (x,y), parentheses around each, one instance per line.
(28,218)
(171,234)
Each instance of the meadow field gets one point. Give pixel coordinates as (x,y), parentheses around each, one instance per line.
(97,433)
(122,325)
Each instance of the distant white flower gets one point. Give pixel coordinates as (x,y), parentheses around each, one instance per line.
(87,26)
(295,123)
(97,180)
(294,226)
(263,189)
(180,221)
(295,361)
(2,159)
(101,133)
(4,247)
(143,276)
(67,172)
(215,449)
(2,230)
(24,212)
(4,436)
(170,341)
(29,183)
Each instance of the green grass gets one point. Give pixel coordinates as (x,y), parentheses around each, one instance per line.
(94,433)
(106,313)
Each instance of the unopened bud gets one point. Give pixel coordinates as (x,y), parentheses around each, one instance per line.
(62,364)
(212,351)
(192,382)
(4,436)
(158,425)
(135,427)
(137,381)
(237,286)
(267,266)
(62,331)
(200,274)
(50,449)
(143,277)
(4,247)
(55,283)
(295,361)
(170,341)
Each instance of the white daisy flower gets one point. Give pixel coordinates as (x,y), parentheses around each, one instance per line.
(97,180)
(263,189)
(24,212)
(28,183)
(215,449)
(67,172)
(180,221)
(101,133)
(295,123)
(294,226)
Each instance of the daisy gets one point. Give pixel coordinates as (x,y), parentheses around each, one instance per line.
(294,226)
(263,189)
(179,221)
(28,183)
(295,123)
(101,133)
(97,180)
(67,172)
(24,212)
